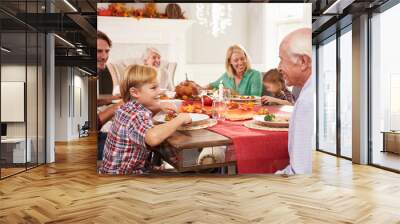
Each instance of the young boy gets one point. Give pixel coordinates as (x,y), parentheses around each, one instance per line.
(275,84)
(126,148)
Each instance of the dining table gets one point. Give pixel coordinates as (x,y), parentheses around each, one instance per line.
(247,150)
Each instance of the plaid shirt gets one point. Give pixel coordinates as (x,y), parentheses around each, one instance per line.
(284,95)
(125,150)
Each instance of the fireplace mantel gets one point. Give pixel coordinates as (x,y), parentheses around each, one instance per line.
(144,30)
(131,35)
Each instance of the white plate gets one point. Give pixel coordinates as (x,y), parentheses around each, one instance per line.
(247,99)
(279,121)
(116,101)
(287,108)
(160,117)
(177,102)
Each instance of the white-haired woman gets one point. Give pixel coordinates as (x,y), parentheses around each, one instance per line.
(152,57)
(239,75)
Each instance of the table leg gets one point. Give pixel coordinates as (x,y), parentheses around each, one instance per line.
(231,169)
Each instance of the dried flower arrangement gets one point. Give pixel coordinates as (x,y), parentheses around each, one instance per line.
(173,11)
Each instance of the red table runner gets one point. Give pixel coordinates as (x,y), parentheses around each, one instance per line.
(256,151)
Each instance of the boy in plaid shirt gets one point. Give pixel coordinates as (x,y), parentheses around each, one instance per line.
(275,85)
(126,148)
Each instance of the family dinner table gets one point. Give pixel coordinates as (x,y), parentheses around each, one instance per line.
(247,150)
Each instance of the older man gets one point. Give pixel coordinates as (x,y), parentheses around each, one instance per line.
(295,54)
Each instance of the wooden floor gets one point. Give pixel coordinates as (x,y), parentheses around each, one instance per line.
(387,159)
(69,191)
(10,171)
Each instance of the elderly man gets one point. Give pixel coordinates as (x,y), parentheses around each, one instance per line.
(295,54)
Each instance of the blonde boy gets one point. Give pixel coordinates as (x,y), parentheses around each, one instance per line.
(126,148)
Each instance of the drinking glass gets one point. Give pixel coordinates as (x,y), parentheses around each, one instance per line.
(219,109)
(227,95)
(203,93)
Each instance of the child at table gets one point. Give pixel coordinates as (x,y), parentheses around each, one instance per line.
(132,132)
(275,84)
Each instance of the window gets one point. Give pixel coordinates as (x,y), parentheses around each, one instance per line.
(346,93)
(385,88)
(327,96)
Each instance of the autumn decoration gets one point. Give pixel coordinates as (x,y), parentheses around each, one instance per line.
(173,11)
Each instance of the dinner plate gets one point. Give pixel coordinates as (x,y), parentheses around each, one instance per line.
(247,98)
(280,122)
(177,102)
(196,118)
(116,101)
(287,108)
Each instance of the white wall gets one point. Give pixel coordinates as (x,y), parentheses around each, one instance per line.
(258,27)
(61,104)
(17,73)
(33,127)
(69,85)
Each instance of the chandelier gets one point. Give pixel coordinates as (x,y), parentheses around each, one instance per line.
(215,16)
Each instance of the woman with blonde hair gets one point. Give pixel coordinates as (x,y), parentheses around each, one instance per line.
(239,76)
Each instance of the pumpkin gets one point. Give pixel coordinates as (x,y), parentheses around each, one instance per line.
(173,11)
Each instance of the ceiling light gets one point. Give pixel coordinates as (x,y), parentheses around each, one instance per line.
(70,5)
(5,50)
(338,6)
(65,41)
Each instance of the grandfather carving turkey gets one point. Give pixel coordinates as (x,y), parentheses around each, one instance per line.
(187,89)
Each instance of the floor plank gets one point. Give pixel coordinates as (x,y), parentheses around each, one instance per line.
(69,191)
